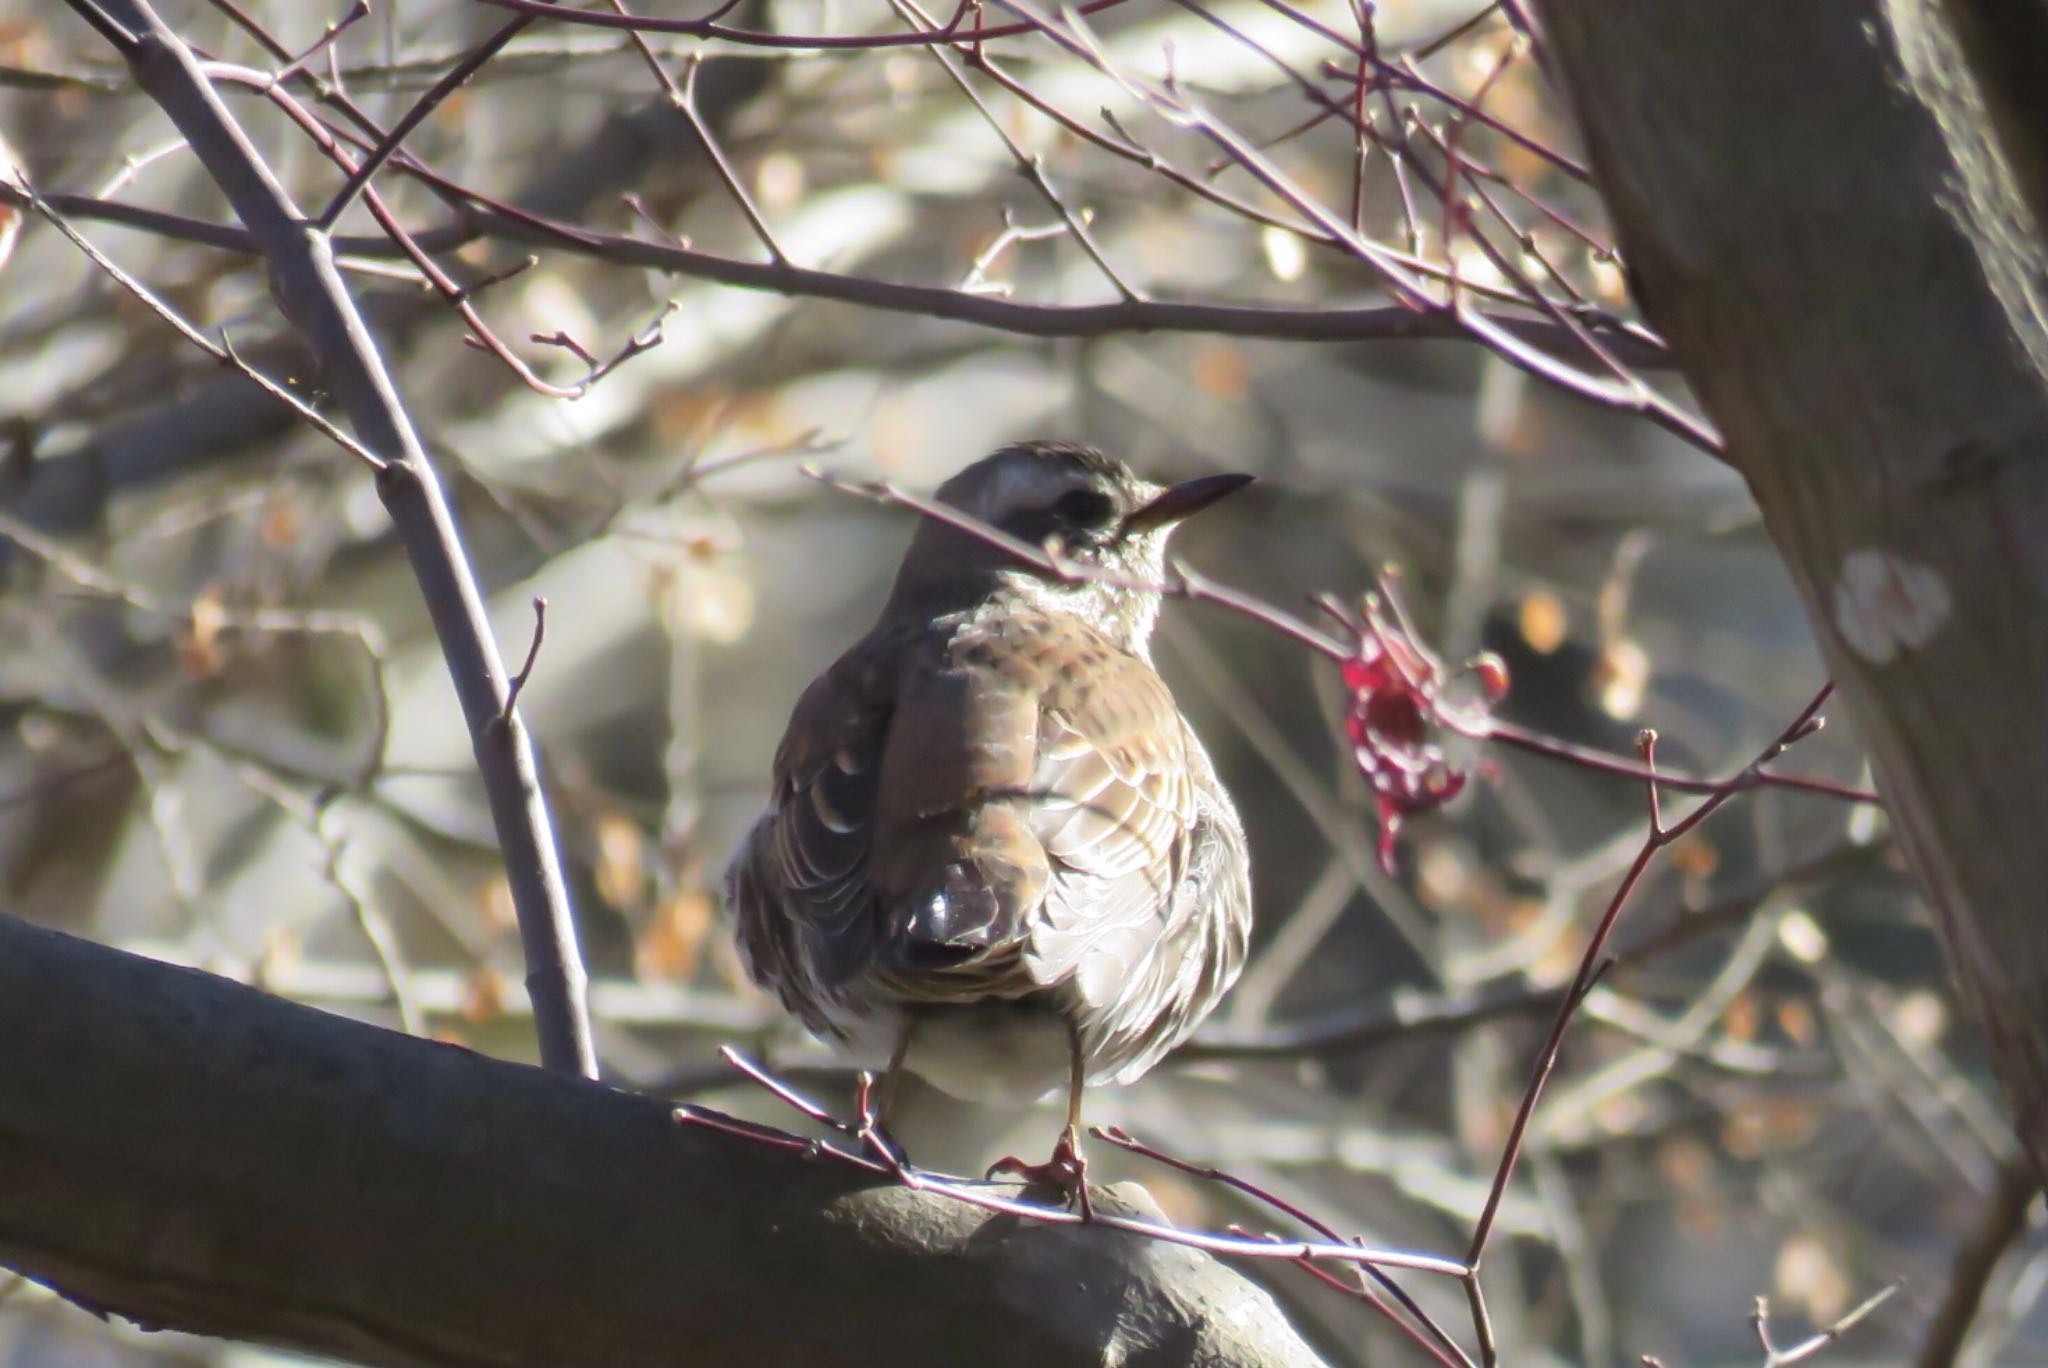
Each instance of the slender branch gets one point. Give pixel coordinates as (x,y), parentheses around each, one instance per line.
(1619,388)
(983,1195)
(1031,167)
(313,295)
(1443,1343)
(472,62)
(1585,757)
(1776,1357)
(491,219)
(1595,962)
(357,12)
(118,34)
(481,333)
(952,32)
(223,352)
(518,685)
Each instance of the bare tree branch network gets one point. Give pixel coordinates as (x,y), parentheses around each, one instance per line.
(439,440)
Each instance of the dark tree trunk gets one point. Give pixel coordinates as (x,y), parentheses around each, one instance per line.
(1834,212)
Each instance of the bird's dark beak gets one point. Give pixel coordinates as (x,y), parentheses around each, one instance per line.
(1180,501)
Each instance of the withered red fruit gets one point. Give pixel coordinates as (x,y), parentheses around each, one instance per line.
(1399,711)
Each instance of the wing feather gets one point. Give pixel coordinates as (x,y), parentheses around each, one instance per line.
(1113,744)
(798,887)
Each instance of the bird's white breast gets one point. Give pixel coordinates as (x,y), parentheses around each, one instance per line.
(987,1052)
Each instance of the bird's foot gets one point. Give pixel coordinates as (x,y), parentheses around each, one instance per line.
(1066,1172)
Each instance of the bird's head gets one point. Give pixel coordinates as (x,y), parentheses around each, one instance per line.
(1084,506)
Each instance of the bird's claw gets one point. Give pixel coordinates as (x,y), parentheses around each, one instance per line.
(1066,1172)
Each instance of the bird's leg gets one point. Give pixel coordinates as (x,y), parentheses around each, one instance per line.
(875,1102)
(1067,1170)
(1067,1153)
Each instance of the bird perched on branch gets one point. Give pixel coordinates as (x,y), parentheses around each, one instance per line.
(996,854)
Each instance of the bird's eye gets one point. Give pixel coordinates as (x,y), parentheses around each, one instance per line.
(1084,508)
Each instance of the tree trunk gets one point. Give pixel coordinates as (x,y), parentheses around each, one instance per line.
(1833,211)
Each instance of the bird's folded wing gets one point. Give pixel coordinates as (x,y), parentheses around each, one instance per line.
(800,887)
(1116,808)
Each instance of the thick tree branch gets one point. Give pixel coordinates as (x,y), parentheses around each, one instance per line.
(1978,1257)
(310,290)
(1864,312)
(194,1154)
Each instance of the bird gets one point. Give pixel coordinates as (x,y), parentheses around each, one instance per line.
(995,853)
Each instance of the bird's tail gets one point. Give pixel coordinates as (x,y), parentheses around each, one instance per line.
(971,898)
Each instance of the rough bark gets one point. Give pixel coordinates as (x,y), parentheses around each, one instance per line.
(193,1154)
(1833,211)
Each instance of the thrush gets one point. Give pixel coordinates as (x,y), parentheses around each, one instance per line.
(996,855)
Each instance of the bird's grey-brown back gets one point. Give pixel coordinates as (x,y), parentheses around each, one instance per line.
(989,816)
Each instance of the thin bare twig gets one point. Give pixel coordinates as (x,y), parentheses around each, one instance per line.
(1443,1343)
(1594,961)
(1032,167)
(979,1195)
(494,218)
(224,352)
(425,105)
(518,686)
(685,102)
(954,31)
(1775,1357)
